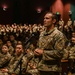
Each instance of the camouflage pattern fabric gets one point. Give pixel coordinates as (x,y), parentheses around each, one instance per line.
(4,59)
(53,43)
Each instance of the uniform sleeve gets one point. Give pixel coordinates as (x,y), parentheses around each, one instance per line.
(57,51)
(17,71)
(5,60)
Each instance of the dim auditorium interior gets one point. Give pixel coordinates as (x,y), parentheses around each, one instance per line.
(20,18)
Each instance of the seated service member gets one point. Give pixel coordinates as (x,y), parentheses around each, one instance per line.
(13,62)
(4,56)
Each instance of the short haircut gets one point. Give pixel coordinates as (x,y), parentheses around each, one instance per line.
(54,16)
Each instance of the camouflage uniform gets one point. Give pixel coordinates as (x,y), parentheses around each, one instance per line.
(32,67)
(52,43)
(4,61)
(72,52)
(11,50)
(69,54)
(14,62)
(61,24)
(72,58)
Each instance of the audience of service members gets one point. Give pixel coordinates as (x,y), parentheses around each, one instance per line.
(15,38)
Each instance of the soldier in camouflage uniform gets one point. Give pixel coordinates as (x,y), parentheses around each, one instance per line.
(49,51)
(61,24)
(11,48)
(14,61)
(4,56)
(71,53)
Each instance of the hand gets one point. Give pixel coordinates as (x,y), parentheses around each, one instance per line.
(4,70)
(38,52)
(32,66)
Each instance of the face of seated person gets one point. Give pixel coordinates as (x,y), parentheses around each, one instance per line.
(73,40)
(12,38)
(19,49)
(73,34)
(4,49)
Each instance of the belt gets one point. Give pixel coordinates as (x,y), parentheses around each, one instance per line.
(52,62)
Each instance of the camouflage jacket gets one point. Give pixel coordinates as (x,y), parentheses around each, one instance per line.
(14,61)
(53,43)
(4,59)
(72,52)
(69,52)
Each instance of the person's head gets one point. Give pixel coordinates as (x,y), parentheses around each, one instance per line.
(49,19)
(73,34)
(19,42)
(12,37)
(19,49)
(9,43)
(5,38)
(5,48)
(73,38)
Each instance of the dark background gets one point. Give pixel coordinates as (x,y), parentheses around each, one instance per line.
(25,11)
(22,11)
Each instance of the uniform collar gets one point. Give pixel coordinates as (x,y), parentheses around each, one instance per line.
(50,31)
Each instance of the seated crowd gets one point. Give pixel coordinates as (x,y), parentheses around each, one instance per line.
(14,48)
